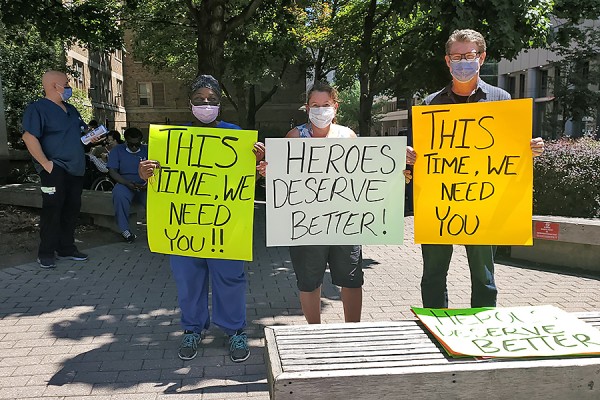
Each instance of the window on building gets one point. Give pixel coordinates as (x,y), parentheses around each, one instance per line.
(145,94)
(78,78)
(543,83)
(521,86)
(151,94)
(94,84)
(489,72)
(119,93)
(139,43)
(119,55)
(512,85)
(108,89)
(158,94)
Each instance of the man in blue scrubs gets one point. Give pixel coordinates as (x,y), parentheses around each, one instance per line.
(52,132)
(123,162)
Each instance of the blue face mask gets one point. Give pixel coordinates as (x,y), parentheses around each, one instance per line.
(464,71)
(66,94)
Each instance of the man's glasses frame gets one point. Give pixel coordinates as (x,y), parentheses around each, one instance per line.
(470,56)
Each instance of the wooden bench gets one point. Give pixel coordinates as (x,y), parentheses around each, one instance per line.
(399,360)
(95,205)
(563,241)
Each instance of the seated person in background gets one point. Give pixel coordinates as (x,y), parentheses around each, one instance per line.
(112,139)
(123,162)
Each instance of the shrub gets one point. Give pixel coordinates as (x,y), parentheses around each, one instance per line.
(567,179)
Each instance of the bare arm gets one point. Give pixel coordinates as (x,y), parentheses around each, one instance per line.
(35,148)
(294,133)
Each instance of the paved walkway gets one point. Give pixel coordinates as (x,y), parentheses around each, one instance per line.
(108,328)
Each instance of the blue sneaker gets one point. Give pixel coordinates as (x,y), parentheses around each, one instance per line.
(238,347)
(188,349)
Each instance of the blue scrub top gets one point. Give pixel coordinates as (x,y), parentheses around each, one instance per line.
(126,163)
(59,133)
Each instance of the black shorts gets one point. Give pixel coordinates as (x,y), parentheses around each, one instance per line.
(310,262)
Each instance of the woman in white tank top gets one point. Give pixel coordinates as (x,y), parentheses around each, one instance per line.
(310,262)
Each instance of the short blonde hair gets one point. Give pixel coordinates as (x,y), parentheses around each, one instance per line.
(466,35)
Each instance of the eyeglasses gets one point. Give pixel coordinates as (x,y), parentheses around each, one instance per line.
(205,102)
(471,56)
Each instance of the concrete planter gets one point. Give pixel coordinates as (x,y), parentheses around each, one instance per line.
(563,241)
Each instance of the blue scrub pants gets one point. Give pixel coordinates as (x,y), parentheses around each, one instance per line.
(228,293)
(436,261)
(122,199)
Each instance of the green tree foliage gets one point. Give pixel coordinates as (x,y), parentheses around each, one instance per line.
(318,36)
(24,57)
(249,53)
(95,23)
(82,103)
(33,36)
(397,47)
(199,25)
(349,102)
(257,57)
(575,87)
(577,41)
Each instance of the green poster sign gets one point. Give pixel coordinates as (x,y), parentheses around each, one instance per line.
(533,331)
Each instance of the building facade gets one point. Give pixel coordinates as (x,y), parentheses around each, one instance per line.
(99,74)
(534,74)
(152,97)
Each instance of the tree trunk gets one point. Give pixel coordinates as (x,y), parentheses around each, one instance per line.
(251,115)
(365,108)
(3,140)
(320,76)
(365,54)
(241,98)
(210,19)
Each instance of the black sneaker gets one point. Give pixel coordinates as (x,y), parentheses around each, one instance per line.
(46,262)
(238,347)
(76,256)
(128,236)
(188,349)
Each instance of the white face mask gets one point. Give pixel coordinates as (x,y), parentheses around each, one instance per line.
(205,114)
(321,117)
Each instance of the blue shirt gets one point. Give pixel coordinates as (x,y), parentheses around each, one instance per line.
(126,163)
(227,125)
(59,133)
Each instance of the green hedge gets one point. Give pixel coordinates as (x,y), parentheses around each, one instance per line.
(566,179)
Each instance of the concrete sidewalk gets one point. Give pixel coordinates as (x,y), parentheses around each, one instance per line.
(109,328)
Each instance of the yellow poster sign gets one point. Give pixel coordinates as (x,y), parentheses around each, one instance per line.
(473,178)
(201,200)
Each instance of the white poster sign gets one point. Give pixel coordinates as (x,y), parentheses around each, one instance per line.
(335,191)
